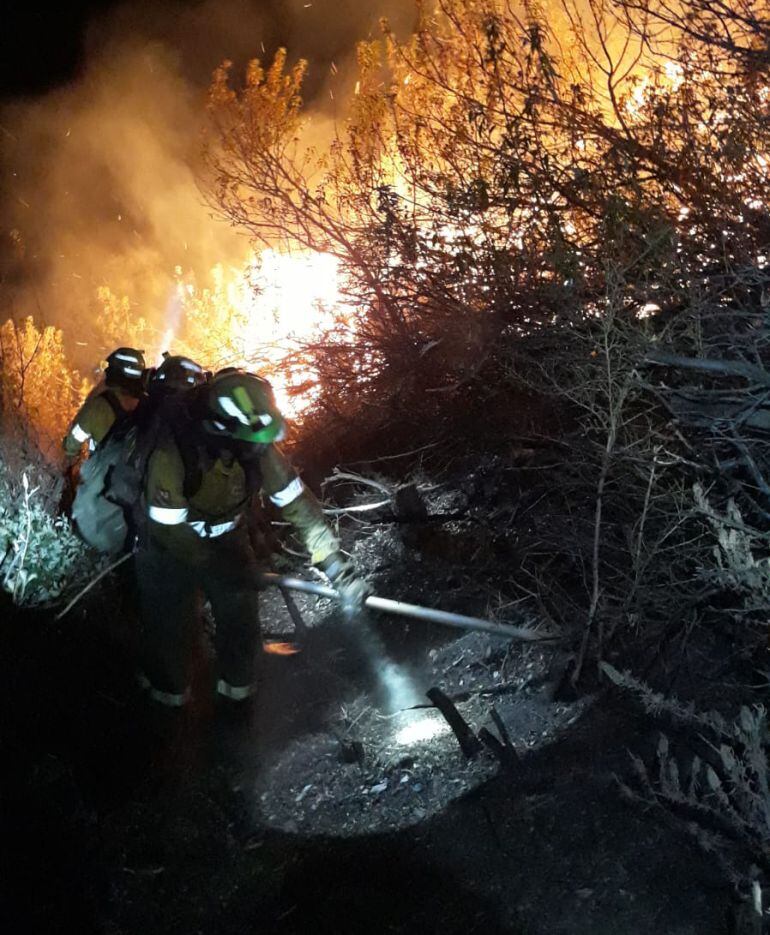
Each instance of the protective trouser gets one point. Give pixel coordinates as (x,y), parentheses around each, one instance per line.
(170,592)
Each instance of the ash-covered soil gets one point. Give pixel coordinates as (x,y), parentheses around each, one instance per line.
(373,769)
(333,811)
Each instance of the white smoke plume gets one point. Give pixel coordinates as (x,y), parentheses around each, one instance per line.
(99,177)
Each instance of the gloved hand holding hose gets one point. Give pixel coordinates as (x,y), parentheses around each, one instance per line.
(351,588)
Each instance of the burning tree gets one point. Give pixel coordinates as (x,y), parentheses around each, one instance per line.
(527,199)
(569,203)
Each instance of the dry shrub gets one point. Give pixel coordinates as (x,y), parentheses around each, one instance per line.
(39,391)
(718,793)
(40,556)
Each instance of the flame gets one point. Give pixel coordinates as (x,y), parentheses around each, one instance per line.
(293,299)
(276,648)
(261,314)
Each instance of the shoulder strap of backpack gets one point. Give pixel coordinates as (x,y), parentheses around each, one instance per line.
(114,403)
(253,472)
(193,467)
(174,421)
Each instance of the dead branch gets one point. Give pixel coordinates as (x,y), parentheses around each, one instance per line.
(502,729)
(358,508)
(732,368)
(91,584)
(505,754)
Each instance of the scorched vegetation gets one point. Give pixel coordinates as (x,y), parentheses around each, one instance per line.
(536,255)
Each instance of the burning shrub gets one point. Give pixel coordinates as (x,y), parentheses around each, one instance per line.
(117,325)
(39,391)
(492,173)
(531,204)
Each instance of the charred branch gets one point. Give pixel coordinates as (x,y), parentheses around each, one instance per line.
(469,743)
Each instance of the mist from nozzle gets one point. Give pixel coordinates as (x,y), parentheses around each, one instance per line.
(396,686)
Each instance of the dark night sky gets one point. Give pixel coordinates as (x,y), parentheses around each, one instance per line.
(41,43)
(101,111)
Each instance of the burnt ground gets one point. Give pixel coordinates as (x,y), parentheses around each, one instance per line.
(316,817)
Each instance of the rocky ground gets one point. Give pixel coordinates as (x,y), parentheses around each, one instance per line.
(341,807)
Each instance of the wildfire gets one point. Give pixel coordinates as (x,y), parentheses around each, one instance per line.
(261,315)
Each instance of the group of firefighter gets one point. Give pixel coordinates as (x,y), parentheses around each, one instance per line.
(211,445)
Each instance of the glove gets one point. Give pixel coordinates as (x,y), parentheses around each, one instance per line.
(69,487)
(352,590)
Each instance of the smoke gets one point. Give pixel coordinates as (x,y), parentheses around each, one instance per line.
(99,178)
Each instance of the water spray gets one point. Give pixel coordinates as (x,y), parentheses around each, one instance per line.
(396,684)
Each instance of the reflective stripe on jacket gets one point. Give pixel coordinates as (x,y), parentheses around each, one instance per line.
(96,417)
(189,526)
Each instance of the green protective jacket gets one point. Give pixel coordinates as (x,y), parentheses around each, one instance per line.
(96,417)
(191,526)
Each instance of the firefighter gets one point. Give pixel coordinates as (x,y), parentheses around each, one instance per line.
(202,481)
(118,394)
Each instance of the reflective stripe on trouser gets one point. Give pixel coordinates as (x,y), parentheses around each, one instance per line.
(235,692)
(164,698)
(169,590)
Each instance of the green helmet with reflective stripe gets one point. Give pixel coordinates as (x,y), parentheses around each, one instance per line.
(241,405)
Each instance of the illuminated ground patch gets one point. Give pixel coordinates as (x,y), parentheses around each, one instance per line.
(367,771)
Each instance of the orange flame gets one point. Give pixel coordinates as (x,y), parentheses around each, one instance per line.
(276,648)
(258,315)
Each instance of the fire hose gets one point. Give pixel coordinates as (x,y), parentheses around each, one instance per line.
(402,609)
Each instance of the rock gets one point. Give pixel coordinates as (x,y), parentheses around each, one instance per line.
(298,798)
(409,504)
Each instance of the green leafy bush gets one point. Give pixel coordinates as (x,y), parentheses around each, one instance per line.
(41,558)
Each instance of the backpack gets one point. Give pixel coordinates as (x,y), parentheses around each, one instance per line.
(108,508)
(100,522)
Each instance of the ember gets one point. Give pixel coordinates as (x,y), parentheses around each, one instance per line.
(280,649)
